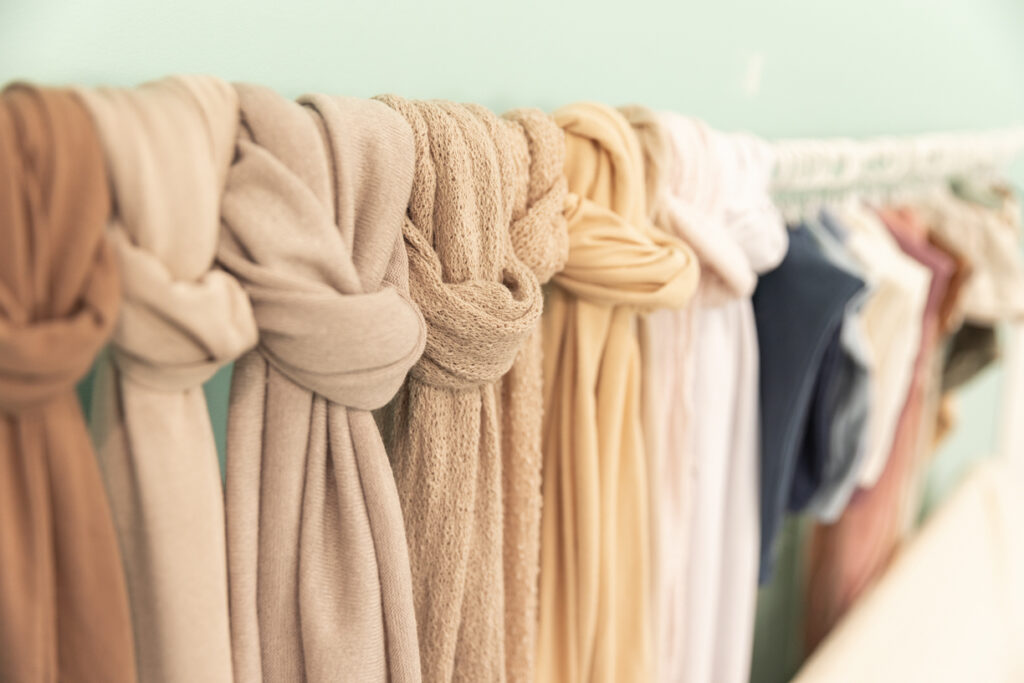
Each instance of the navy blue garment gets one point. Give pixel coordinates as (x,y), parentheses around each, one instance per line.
(798,309)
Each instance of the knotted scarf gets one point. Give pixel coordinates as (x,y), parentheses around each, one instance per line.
(168,146)
(312,212)
(716,199)
(64,611)
(484,224)
(595,620)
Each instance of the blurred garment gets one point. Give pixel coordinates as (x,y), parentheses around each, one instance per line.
(64,613)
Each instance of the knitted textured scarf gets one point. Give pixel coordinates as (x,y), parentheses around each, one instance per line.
(484,223)
(701,366)
(63,603)
(319,571)
(168,146)
(595,620)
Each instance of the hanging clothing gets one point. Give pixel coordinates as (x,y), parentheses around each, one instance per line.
(796,325)
(837,438)
(847,556)
(482,228)
(168,146)
(64,612)
(595,554)
(312,216)
(901,286)
(705,458)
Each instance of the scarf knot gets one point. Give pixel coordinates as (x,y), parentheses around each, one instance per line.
(168,146)
(59,283)
(309,177)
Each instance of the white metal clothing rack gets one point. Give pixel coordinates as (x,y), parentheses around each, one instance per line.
(837,165)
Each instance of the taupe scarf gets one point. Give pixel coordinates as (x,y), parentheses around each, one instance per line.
(484,225)
(312,216)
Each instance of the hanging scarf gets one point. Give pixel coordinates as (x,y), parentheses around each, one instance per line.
(64,611)
(319,570)
(484,223)
(717,201)
(168,146)
(595,555)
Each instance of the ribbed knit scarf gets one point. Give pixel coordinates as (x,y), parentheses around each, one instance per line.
(484,224)
(168,146)
(319,571)
(64,612)
(595,620)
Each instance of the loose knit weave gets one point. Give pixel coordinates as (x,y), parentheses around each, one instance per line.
(168,146)
(484,224)
(595,620)
(320,586)
(64,612)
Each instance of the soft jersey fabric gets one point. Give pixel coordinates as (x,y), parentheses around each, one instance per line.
(795,326)
(595,557)
(64,612)
(484,225)
(847,556)
(702,409)
(312,218)
(168,146)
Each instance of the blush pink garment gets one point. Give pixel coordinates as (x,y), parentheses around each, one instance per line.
(846,557)
(701,374)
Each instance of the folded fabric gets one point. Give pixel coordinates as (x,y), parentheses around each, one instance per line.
(705,466)
(312,213)
(595,620)
(484,225)
(795,326)
(64,612)
(168,146)
(837,442)
(901,286)
(845,557)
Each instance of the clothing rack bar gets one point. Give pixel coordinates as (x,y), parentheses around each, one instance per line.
(834,164)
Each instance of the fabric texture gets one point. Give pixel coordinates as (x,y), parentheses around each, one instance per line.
(168,147)
(484,226)
(704,456)
(595,599)
(795,326)
(64,613)
(312,212)
(847,556)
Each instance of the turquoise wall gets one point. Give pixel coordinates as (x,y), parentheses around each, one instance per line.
(784,68)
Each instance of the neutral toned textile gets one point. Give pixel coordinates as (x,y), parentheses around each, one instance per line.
(168,146)
(705,465)
(484,225)
(312,212)
(64,612)
(595,596)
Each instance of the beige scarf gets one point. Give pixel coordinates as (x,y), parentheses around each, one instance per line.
(64,612)
(595,620)
(168,147)
(484,224)
(313,209)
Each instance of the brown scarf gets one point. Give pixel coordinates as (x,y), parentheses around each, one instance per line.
(319,569)
(484,225)
(168,146)
(63,602)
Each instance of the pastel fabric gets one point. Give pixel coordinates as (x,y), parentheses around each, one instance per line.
(168,146)
(796,326)
(705,452)
(484,227)
(846,557)
(312,217)
(64,613)
(595,599)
